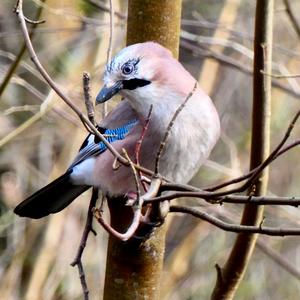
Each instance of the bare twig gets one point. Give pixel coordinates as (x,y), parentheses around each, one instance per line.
(87,229)
(170,125)
(21,108)
(65,98)
(280,76)
(236,199)
(87,97)
(234,227)
(34,22)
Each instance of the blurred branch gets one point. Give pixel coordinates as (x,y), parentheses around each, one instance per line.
(23,63)
(15,64)
(203,23)
(21,108)
(280,76)
(199,39)
(99,4)
(233,63)
(279,259)
(234,227)
(292,17)
(27,123)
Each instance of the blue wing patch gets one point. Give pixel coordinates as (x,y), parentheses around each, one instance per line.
(116,134)
(92,146)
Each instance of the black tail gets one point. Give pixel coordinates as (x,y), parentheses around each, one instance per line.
(51,199)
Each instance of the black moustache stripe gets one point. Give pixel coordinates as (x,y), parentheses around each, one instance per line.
(134,83)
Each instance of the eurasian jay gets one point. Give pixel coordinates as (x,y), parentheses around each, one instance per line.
(146,75)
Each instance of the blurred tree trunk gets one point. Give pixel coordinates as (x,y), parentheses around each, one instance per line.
(133,268)
(231,275)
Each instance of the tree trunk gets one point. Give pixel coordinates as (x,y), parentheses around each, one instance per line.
(133,268)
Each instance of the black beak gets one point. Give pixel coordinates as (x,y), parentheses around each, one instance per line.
(108,92)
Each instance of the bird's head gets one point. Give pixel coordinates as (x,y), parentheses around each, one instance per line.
(144,73)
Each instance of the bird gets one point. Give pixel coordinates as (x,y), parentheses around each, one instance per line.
(146,75)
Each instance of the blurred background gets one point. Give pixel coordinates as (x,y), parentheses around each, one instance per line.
(39,136)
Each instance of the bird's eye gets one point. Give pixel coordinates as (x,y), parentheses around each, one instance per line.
(127,69)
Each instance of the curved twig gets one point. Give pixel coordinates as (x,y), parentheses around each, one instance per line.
(234,227)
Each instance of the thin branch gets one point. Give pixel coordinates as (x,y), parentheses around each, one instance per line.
(34,22)
(22,108)
(163,142)
(65,98)
(87,229)
(230,182)
(280,76)
(87,97)
(234,227)
(235,199)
